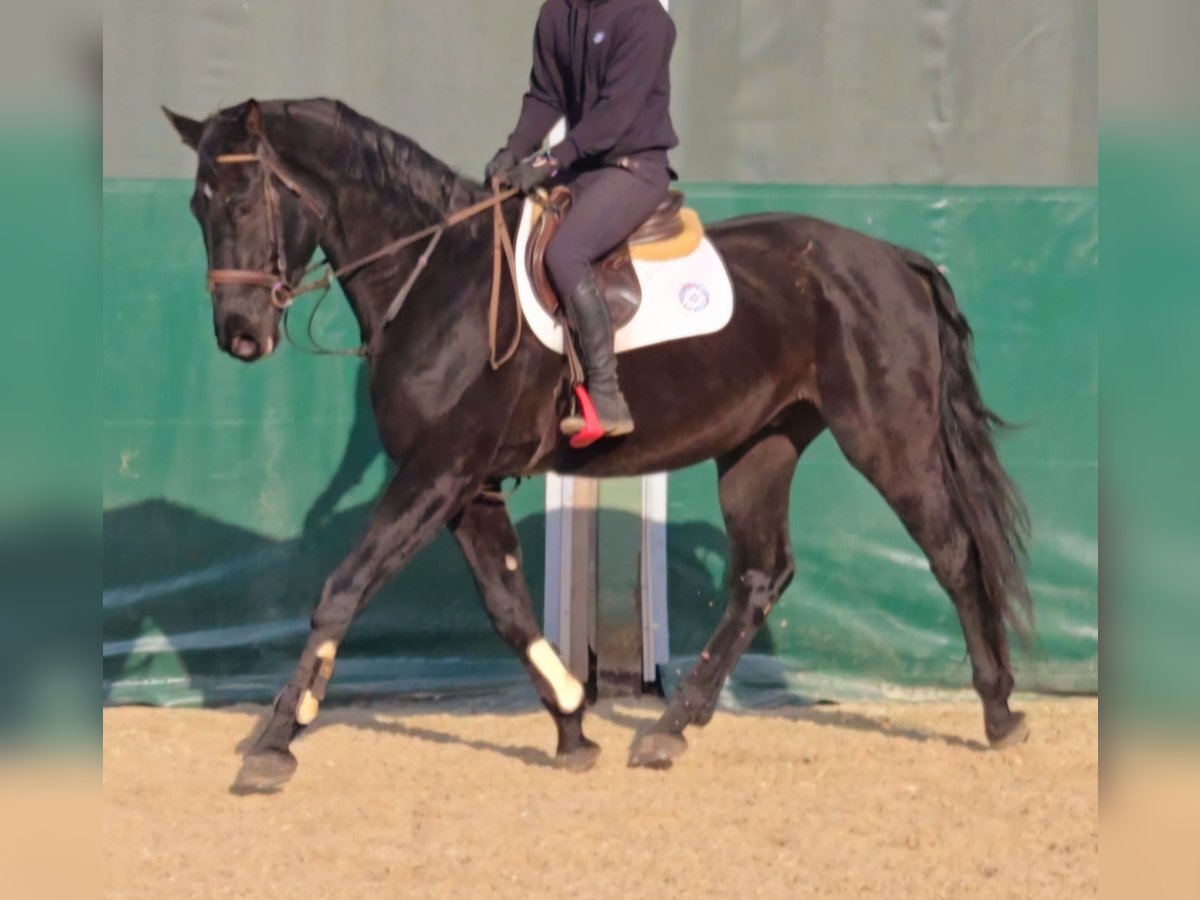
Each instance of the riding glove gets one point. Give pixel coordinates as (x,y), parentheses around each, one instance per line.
(502,163)
(533,173)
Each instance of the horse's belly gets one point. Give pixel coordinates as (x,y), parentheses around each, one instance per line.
(675,431)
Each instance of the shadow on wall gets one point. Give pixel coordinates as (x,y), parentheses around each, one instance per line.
(198,610)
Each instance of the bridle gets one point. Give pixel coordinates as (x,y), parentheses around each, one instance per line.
(274,278)
(283,293)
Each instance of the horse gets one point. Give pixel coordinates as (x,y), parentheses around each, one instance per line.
(832,330)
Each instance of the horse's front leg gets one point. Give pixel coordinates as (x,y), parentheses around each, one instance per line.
(418,503)
(485,532)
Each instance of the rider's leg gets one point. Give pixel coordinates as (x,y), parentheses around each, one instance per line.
(607,206)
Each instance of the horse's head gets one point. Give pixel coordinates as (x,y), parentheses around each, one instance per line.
(261,222)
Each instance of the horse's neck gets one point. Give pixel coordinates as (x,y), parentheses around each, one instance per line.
(367,220)
(364,217)
(363,222)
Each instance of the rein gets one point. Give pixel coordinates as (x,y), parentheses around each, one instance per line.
(284,294)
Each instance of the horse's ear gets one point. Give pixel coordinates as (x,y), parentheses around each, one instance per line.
(253,119)
(189,129)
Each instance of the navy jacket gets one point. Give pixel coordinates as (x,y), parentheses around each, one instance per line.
(605,65)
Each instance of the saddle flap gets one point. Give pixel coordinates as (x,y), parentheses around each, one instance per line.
(618,282)
(615,275)
(552,213)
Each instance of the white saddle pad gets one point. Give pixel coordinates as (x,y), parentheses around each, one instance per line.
(681,298)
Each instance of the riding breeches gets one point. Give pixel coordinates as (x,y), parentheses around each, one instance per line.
(607,206)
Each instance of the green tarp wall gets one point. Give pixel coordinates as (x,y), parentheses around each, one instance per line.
(230,492)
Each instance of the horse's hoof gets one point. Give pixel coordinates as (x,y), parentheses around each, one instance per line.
(265,772)
(656,750)
(581,759)
(1015,733)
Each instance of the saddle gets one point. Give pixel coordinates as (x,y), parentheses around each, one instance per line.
(671,232)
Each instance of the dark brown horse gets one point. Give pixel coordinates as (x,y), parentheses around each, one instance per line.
(832,329)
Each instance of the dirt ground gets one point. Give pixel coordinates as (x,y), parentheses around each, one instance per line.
(887,800)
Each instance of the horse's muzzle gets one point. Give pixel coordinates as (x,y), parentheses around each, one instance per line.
(241,339)
(245,348)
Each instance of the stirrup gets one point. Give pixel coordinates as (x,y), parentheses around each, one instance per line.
(587,430)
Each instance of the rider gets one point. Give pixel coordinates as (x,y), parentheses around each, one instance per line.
(605,66)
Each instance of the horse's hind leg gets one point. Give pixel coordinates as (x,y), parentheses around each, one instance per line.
(934,525)
(924,506)
(888,422)
(485,533)
(755,483)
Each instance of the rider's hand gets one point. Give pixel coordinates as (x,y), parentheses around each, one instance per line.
(502,163)
(533,173)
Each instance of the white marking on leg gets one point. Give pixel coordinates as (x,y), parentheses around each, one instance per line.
(326,654)
(568,692)
(510,562)
(306,711)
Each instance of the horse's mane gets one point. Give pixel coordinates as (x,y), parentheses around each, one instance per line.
(385,159)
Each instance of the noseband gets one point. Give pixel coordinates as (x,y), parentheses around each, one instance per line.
(284,293)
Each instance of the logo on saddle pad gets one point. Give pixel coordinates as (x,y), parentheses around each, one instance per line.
(694,298)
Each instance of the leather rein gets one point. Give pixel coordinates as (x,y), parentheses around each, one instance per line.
(283,293)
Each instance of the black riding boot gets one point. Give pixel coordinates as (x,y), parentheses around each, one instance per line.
(590,317)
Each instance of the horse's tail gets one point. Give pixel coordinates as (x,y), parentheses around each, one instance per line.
(985,498)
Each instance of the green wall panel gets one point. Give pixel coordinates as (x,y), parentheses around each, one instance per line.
(230,492)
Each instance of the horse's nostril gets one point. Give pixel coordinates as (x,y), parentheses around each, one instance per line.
(244,347)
